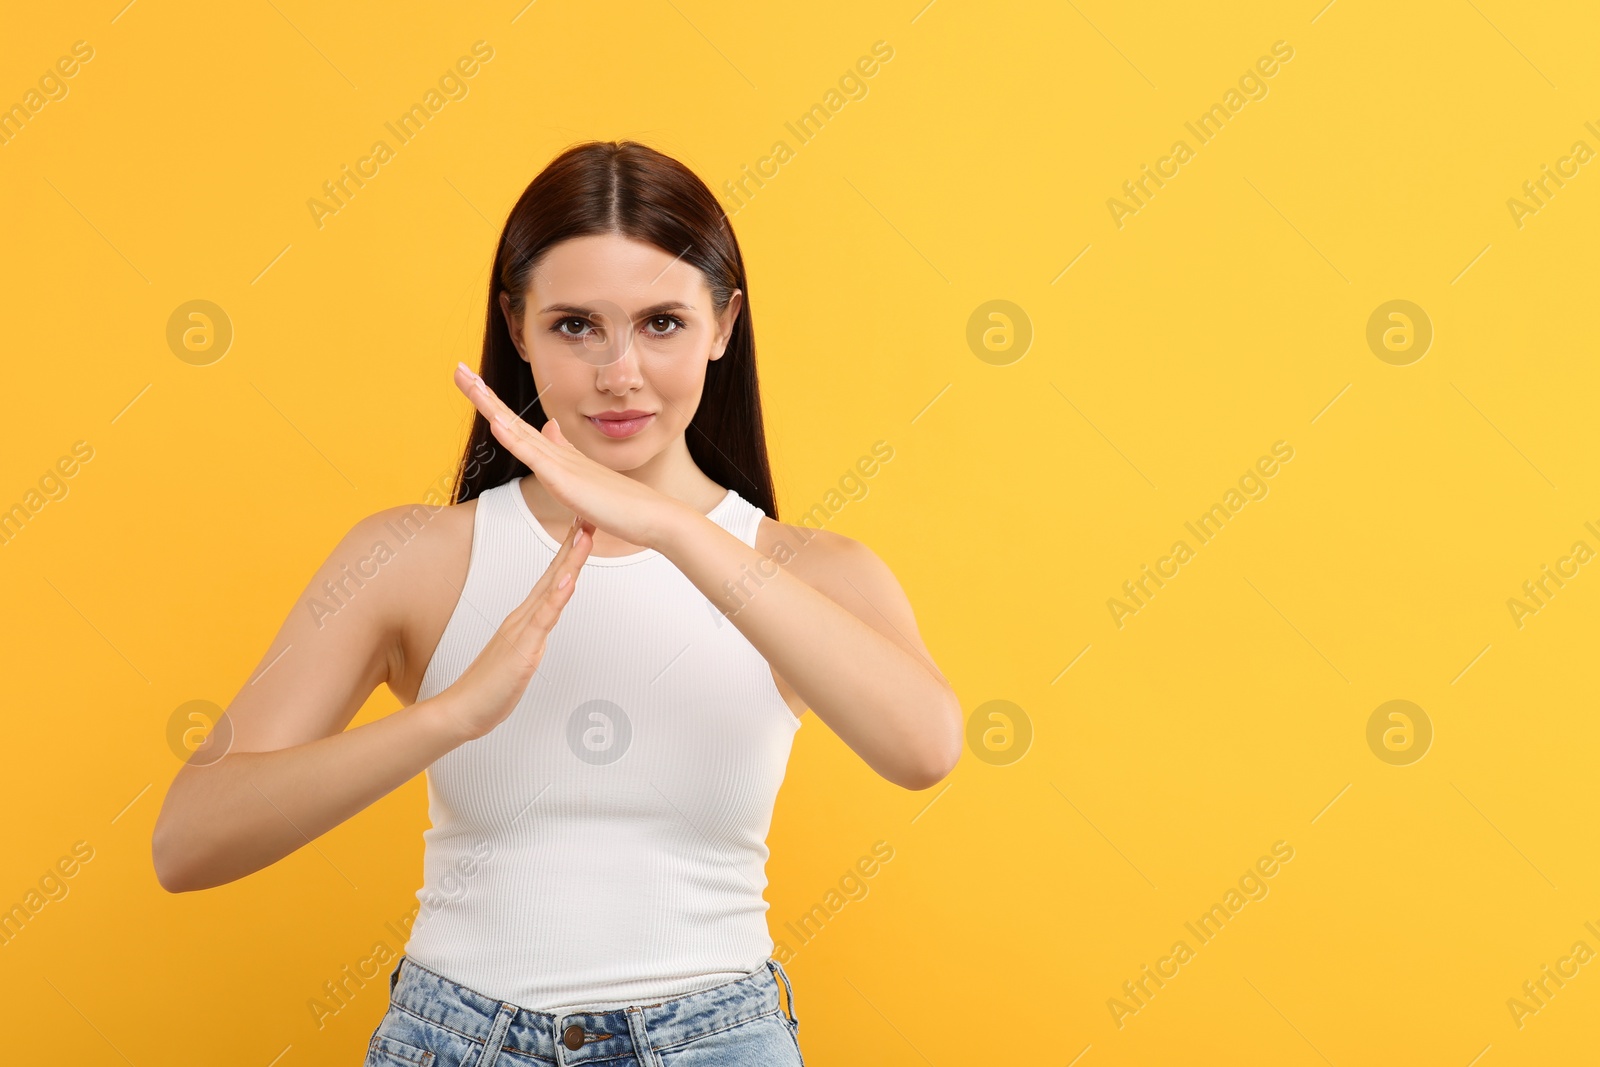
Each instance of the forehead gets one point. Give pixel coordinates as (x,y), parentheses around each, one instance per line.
(613,267)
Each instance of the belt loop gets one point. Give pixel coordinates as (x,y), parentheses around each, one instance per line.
(777,968)
(497,1035)
(642,1051)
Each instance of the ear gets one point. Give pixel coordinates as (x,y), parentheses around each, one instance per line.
(725,321)
(513,325)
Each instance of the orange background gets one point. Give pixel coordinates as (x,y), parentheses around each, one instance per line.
(1140,771)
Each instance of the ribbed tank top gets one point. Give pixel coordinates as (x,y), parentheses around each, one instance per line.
(605,845)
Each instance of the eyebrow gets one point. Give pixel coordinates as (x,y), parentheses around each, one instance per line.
(644,313)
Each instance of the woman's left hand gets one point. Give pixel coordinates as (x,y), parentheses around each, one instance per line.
(613,502)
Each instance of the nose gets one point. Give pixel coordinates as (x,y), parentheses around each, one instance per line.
(621,375)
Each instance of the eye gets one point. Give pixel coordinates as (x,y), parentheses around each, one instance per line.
(556,327)
(673,323)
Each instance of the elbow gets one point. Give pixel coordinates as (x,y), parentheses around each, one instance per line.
(940,760)
(173,873)
(168,875)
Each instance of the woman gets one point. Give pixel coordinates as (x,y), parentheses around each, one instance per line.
(600,790)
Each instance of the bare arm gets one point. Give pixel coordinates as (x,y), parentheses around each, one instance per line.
(291,771)
(843,636)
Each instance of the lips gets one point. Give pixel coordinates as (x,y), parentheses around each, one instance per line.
(619,424)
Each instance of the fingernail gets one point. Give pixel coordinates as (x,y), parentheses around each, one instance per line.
(501,421)
(562,584)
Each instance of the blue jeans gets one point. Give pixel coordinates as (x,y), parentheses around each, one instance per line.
(433,1022)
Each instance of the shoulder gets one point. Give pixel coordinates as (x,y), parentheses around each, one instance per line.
(850,574)
(413,560)
(394,555)
(407,533)
(823,559)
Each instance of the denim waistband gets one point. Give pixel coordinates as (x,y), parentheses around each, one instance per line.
(604,1034)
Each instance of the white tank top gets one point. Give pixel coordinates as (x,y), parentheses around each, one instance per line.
(605,845)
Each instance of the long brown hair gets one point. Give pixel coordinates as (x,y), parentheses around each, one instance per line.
(627,188)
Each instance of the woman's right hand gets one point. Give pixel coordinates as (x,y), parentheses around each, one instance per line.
(492,684)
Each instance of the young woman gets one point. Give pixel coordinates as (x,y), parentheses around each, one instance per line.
(603,649)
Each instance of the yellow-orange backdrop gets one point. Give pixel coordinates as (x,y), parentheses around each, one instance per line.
(1158,337)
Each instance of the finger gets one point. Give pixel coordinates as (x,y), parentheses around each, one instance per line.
(560,562)
(545,609)
(507,425)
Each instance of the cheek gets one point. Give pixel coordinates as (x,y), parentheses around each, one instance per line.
(679,375)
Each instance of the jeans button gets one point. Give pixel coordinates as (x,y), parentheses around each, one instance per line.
(572,1037)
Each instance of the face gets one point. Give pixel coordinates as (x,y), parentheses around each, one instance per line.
(616,327)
